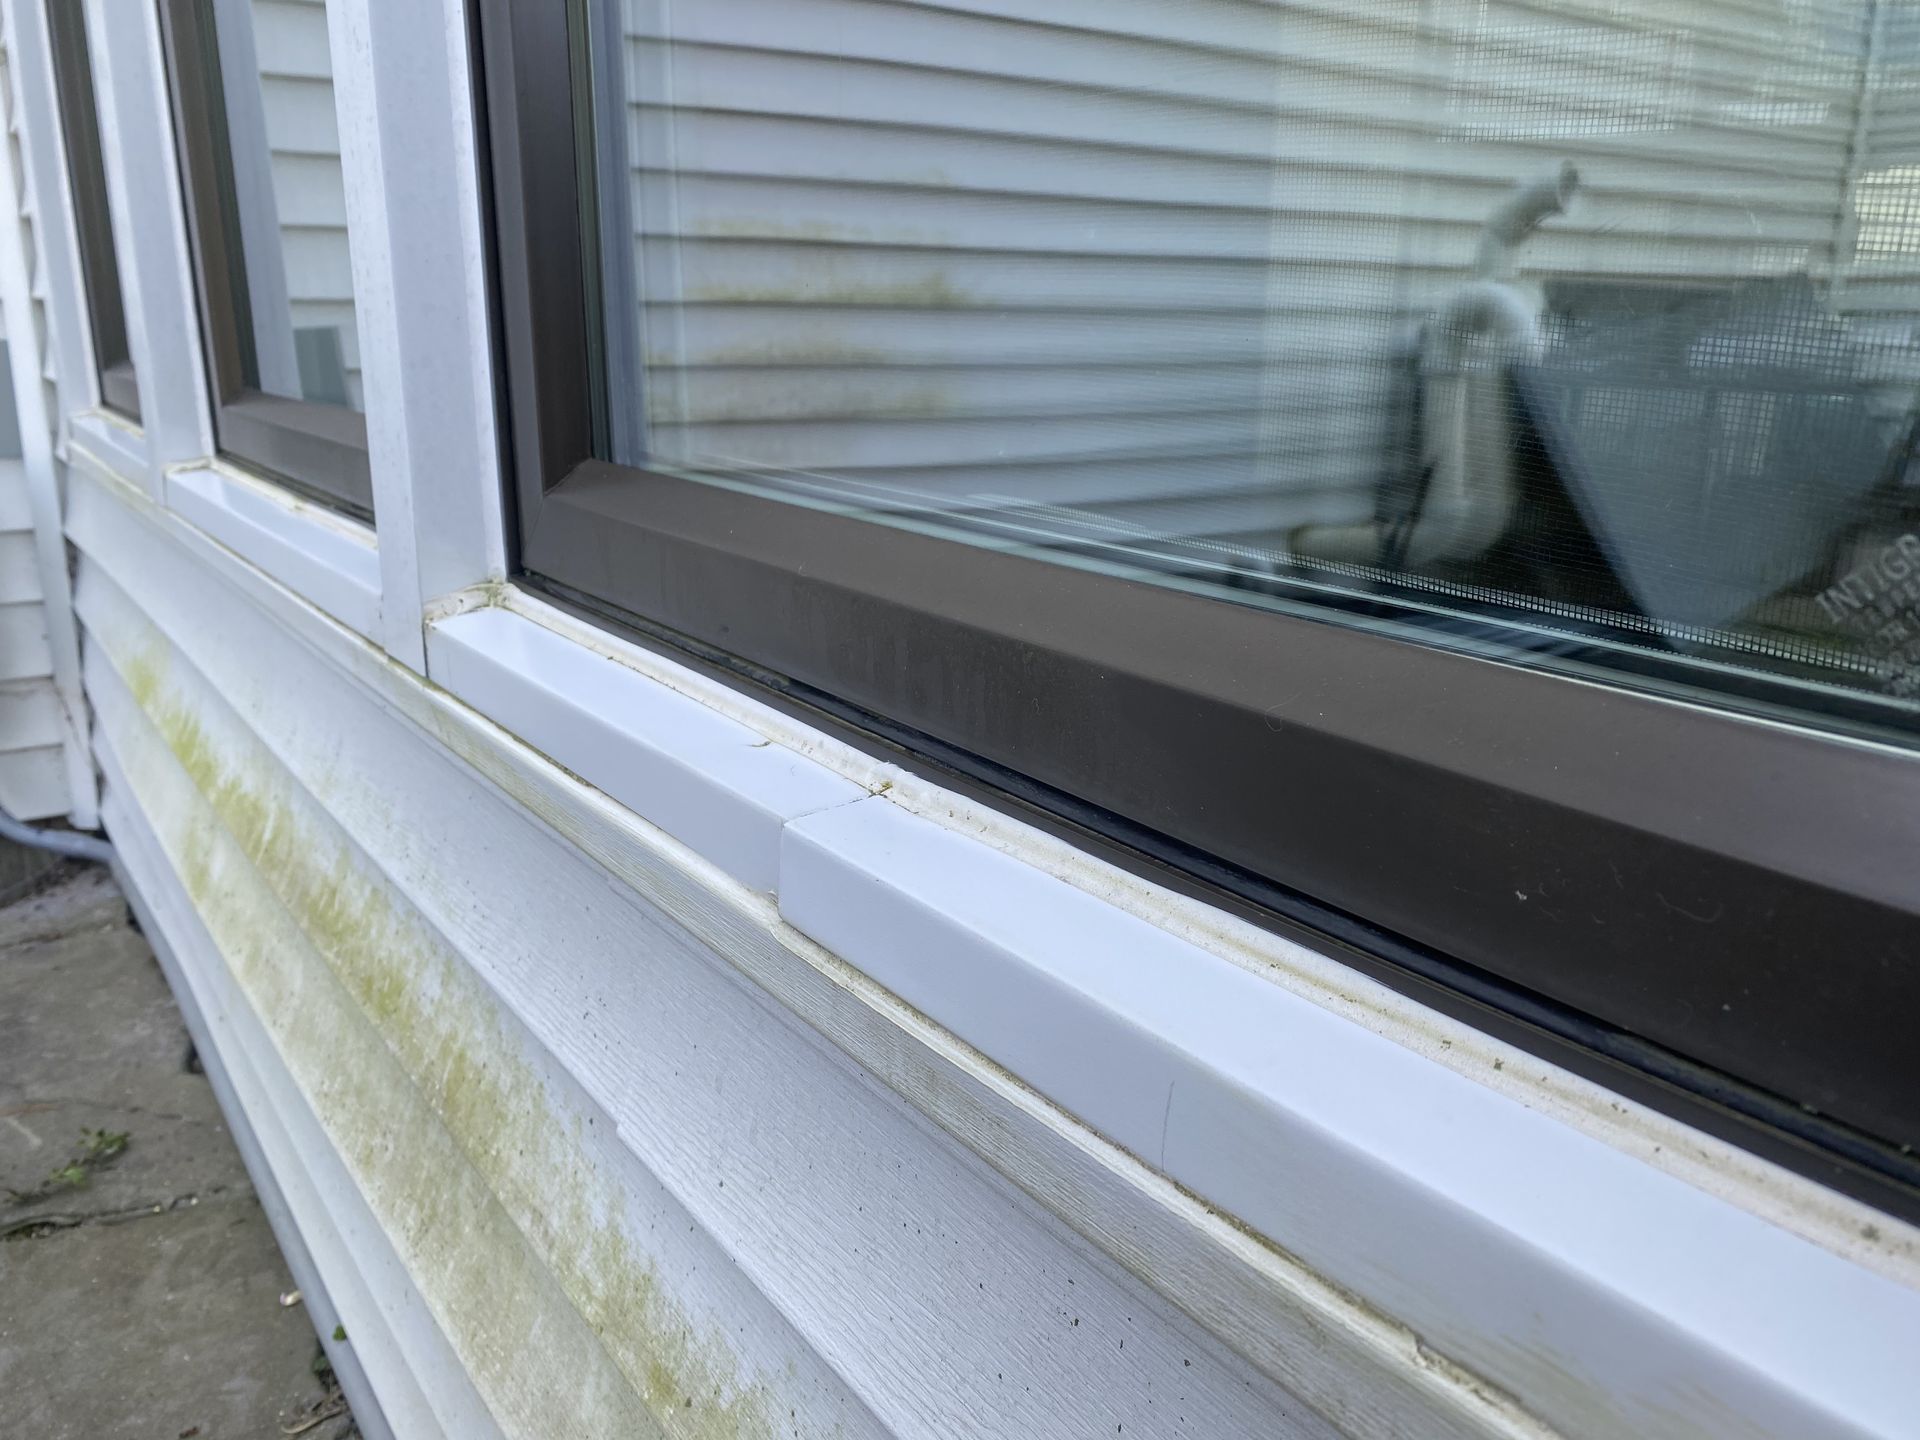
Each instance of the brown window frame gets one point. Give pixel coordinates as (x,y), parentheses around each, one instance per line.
(318,449)
(1701,898)
(93,217)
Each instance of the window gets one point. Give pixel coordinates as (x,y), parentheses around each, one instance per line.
(80,122)
(260,149)
(1443,472)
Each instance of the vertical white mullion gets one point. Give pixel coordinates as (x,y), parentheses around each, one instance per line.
(150,233)
(409,153)
(70,336)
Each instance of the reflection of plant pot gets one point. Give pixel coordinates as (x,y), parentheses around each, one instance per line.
(1465,492)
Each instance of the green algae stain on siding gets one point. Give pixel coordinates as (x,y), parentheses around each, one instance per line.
(498,1183)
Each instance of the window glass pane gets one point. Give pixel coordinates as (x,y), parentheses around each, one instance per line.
(10,448)
(80,125)
(1585,331)
(283,201)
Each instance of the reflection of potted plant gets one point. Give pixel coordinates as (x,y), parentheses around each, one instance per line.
(1463,490)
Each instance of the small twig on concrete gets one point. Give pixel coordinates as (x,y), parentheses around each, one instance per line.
(331,1408)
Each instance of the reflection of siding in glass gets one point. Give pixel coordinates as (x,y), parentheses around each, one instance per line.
(1884,281)
(309,199)
(1153,263)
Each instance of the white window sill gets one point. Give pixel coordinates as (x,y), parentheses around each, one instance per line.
(1460,1187)
(325,558)
(712,783)
(117,443)
(328,560)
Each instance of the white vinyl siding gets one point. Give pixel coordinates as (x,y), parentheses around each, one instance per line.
(33,777)
(34,781)
(1152,259)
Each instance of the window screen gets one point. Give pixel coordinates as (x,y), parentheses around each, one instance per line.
(1586,328)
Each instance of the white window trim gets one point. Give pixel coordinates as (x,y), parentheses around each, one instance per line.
(420,286)
(150,235)
(327,559)
(422,301)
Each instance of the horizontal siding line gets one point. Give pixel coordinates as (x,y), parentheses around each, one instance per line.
(293,152)
(1328,212)
(1627,145)
(47,741)
(1333,467)
(1335,12)
(1736,39)
(299,80)
(1757,9)
(828,306)
(1266,163)
(1236,482)
(1710,259)
(1244,407)
(1421,75)
(1061,493)
(1402,139)
(1342,449)
(828,301)
(1448,267)
(1732,42)
(1432,79)
(1248,409)
(1265,363)
(1068,487)
(1193,451)
(280,75)
(1263,263)
(1251,355)
(1167,452)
